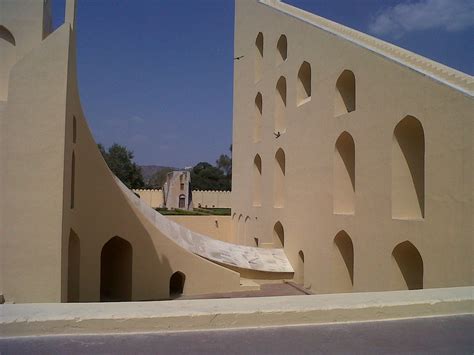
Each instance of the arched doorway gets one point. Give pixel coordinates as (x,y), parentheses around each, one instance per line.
(73,270)
(182,202)
(116,271)
(410,264)
(177,284)
(299,277)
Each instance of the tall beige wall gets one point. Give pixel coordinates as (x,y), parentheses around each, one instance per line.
(347,172)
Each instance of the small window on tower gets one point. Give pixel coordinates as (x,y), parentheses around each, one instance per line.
(182,186)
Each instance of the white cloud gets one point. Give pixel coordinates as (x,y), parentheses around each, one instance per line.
(450,15)
(137,119)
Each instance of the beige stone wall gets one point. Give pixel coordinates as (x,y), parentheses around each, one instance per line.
(217,199)
(212,199)
(348,180)
(217,227)
(153,197)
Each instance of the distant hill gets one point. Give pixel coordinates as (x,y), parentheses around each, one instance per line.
(149,170)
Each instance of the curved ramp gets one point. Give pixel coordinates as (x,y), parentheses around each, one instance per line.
(241,256)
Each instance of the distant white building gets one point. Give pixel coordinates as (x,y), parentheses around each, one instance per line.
(177,191)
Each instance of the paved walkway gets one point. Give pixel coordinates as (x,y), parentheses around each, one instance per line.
(266,290)
(443,335)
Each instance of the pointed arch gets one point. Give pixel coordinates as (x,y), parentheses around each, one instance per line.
(116,270)
(282,49)
(177,281)
(344,174)
(258,56)
(257,180)
(279,179)
(299,276)
(410,265)
(73,272)
(7,59)
(408,169)
(278,235)
(257,137)
(73,179)
(303,89)
(280,105)
(74,129)
(6,35)
(345,98)
(344,268)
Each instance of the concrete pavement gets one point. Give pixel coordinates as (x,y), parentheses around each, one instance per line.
(431,335)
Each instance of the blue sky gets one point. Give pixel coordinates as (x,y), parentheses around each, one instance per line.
(156,79)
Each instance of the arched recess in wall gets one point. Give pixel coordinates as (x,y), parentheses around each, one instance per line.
(279,182)
(344,268)
(73,270)
(73,179)
(7,59)
(282,49)
(182,201)
(278,235)
(299,277)
(257,136)
(345,98)
(408,170)
(410,265)
(177,281)
(74,129)
(247,231)
(258,56)
(280,105)
(116,270)
(240,230)
(303,88)
(257,181)
(344,174)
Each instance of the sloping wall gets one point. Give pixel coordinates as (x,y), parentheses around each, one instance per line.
(375,150)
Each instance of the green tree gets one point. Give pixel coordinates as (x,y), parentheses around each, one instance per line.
(158,179)
(204,176)
(120,161)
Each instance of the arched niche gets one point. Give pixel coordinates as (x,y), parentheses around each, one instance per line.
(73,272)
(344,267)
(299,276)
(7,59)
(345,98)
(344,174)
(73,180)
(177,281)
(410,266)
(116,270)
(278,235)
(280,105)
(258,57)
(282,49)
(303,88)
(408,170)
(257,137)
(257,180)
(279,176)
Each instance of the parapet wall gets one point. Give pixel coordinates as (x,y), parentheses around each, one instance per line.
(204,198)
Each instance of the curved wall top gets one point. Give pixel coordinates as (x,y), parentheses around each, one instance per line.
(437,71)
(245,257)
